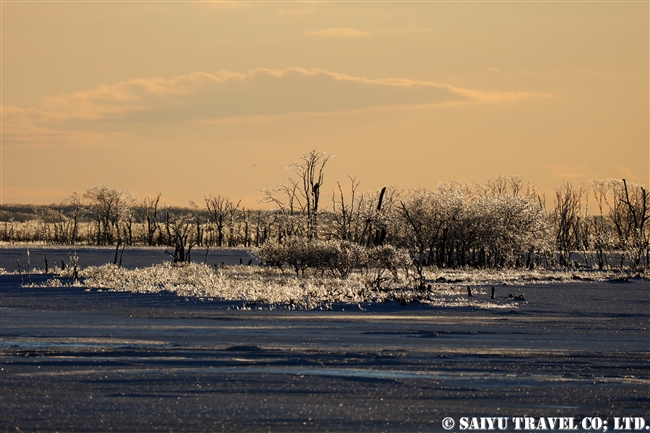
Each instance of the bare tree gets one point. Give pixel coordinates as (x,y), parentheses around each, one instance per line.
(635,199)
(311,178)
(76,207)
(498,185)
(197,221)
(345,215)
(566,216)
(601,225)
(181,236)
(108,206)
(149,209)
(246,215)
(285,197)
(513,185)
(303,191)
(222,212)
(378,220)
(60,222)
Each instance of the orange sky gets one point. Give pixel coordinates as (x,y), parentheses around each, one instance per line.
(192,99)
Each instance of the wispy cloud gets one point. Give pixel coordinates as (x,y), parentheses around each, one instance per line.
(29,127)
(225,97)
(133,96)
(258,92)
(340,33)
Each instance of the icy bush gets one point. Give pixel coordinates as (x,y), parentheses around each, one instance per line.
(383,267)
(380,266)
(271,287)
(384,277)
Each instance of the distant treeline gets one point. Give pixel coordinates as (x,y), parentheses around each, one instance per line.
(502,223)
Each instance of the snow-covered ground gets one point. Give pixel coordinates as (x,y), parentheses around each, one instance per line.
(91,359)
(229,279)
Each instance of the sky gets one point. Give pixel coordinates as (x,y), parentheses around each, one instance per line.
(191,99)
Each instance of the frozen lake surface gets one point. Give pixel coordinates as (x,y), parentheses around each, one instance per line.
(75,360)
(131,257)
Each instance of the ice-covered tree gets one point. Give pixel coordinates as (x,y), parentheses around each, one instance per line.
(222,214)
(108,207)
(301,192)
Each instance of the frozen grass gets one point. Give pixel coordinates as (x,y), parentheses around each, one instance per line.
(251,284)
(32,245)
(524,276)
(269,287)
